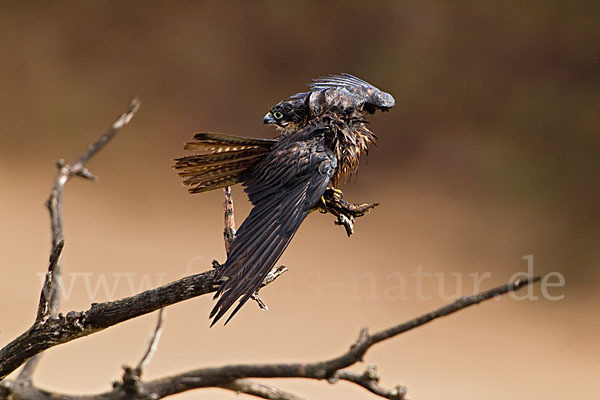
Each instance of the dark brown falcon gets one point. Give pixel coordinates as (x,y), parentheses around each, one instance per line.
(323,135)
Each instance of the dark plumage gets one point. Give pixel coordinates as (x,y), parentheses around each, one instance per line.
(323,134)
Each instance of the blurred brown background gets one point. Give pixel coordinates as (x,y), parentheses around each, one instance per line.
(490,155)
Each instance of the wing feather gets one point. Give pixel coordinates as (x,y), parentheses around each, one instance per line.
(346,90)
(283,192)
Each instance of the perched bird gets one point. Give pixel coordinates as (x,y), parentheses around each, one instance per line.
(322,136)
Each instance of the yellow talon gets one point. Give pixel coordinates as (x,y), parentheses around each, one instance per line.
(319,208)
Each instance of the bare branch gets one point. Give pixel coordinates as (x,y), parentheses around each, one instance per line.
(99,316)
(229,230)
(152,343)
(13,391)
(365,341)
(328,369)
(26,373)
(78,166)
(273,274)
(257,389)
(131,376)
(54,203)
(50,296)
(370,381)
(44,305)
(76,324)
(451,308)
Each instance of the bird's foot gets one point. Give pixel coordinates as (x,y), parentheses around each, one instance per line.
(333,202)
(337,193)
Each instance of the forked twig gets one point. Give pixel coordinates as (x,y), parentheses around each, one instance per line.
(152,343)
(50,294)
(131,376)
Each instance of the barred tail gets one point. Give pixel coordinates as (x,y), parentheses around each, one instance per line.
(223,159)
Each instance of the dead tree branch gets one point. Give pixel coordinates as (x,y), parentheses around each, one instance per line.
(370,381)
(130,382)
(99,316)
(50,296)
(330,369)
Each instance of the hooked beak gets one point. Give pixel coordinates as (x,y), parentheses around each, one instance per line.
(268,119)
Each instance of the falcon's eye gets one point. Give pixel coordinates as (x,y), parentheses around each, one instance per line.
(277,115)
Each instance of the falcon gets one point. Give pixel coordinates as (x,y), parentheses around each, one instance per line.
(322,136)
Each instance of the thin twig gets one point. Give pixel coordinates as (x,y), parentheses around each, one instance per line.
(44,304)
(152,344)
(370,381)
(54,203)
(50,296)
(451,308)
(229,230)
(258,389)
(130,382)
(43,311)
(273,274)
(99,316)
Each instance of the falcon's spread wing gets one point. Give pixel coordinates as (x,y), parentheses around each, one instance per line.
(283,187)
(347,91)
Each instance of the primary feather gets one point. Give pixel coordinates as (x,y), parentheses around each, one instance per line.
(283,191)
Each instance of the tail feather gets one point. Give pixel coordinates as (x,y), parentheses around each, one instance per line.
(221,139)
(209,160)
(214,184)
(211,175)
(222,162)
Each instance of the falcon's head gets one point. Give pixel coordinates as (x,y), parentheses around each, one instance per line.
(288,115)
